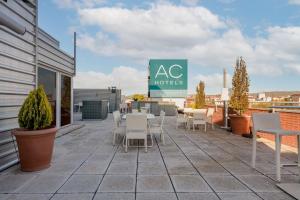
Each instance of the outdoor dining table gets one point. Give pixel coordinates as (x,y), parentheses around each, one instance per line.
(149,115)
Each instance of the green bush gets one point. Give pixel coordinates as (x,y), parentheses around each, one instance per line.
(35,112)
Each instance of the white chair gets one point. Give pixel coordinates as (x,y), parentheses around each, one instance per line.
(209,117)
(203,111)
(135,110)
(158,128)
(117,129)
(270,123)
(136,128)
(181,119)
(144,110)
(199,119)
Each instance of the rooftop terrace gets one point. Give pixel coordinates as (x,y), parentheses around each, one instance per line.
(191,165)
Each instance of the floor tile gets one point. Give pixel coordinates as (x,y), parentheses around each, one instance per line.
(125,168)
(226,184)
(238,196)
(82,196)
(92,167)
(190,183)
(118,183)
(28,197)
(259,183)
(197,196)
(151,168)
(10,183)
(275,196)
(154,184)
(44,184)
(81,183)
(156,196)
(114,196)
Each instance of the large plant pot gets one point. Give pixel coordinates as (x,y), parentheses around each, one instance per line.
(240,124)
(35,148)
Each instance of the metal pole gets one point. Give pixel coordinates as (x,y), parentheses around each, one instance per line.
(225,102)
(75,52)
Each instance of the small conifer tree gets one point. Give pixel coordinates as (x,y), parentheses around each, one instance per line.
(200,96)
(35,112)
(240,88)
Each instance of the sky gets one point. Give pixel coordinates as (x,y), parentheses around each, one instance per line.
(116,39)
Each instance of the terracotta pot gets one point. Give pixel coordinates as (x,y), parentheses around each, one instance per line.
(35,148)
(240,124)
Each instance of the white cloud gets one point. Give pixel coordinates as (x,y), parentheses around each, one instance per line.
(294,2)
(213,82)
(195,33)
(78,4)
(129,79)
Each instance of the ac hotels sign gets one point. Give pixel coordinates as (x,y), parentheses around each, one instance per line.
(168,78)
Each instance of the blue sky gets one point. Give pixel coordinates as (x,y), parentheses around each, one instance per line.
(117,38)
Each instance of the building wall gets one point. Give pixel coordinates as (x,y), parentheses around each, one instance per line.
(20,55)
(97,95)
(17,72)
(50,56)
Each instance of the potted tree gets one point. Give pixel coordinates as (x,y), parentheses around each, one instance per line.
(35,137)
(200,96)
(239,103)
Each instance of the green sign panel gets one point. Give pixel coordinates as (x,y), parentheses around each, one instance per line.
(168,78)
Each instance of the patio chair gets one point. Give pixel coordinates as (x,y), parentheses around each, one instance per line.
(199,119)
(181,119)
(158,128)
(117,129)
(203,111)
(144,110)
(209,117)
(135,110)
(136,128)
(270,123)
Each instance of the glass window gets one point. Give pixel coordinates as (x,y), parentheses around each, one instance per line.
(65,100)
(47,79)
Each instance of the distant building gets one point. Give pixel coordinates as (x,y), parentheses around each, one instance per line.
(189,101)
(295,97)
(113,96)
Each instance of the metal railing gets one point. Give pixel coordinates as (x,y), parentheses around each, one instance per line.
(272,105)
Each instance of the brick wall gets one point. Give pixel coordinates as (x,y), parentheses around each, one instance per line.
(289,121)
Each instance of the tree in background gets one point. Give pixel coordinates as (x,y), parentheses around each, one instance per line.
(138,97)
(200,96)
(240,88)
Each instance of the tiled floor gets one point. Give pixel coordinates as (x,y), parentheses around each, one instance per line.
(190,166)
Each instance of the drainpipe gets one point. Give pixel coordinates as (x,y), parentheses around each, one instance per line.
(12,24)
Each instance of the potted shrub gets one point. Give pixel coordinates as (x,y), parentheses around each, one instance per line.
(200,96)
(239,103)
(35,137)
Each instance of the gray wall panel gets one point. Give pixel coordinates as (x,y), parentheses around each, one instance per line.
(16,76)
(26,41)
(14,88)
(16,64)
(11,100)
(9,49)
(48,38)
(8,124)
(8,112)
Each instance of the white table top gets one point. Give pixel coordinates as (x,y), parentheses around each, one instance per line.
(149,115)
